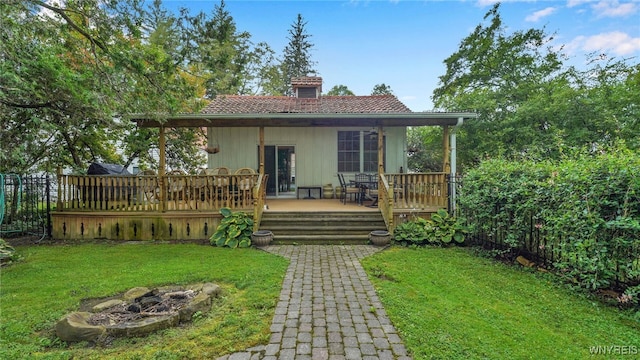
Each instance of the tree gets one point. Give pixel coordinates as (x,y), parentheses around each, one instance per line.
(296,59)
(340,90)
(424,149)
(221,51)
(529,104)
(382,89)
(494,74)
(69,74)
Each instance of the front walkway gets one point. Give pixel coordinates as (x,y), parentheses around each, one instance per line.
(328,309)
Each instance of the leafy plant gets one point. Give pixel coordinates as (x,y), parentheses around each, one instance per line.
(413,231)
(445,228)
(580,214)
(7,253)
(441,229)
(235,229)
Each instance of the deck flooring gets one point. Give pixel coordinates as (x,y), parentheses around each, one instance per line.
(288,204)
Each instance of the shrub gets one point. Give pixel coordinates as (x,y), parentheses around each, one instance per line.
(441,229)
(235,229)
(586,208)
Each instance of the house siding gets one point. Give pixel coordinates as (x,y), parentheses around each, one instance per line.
(316,149)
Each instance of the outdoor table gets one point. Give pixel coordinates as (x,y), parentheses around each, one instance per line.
(309,188)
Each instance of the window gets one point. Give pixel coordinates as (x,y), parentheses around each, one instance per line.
(348,151)
(357,151)
(307,93)
(370,153)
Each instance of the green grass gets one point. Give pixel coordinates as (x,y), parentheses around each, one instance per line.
(51,281)
(448,303)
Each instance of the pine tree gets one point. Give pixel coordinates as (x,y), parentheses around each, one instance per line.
(297,54)
(223,52)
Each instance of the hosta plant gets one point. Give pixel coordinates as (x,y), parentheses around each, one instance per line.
(235,229)
(441,229)
(445,228)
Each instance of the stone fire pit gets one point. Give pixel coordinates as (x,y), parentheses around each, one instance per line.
(137,312)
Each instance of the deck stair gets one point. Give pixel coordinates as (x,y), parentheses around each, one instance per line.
(320,228)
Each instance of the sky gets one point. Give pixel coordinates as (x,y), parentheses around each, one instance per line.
(403,43)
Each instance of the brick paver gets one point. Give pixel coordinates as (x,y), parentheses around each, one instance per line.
(328,309)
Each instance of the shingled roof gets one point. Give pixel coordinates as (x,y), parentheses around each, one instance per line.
(242,104)
(307,109)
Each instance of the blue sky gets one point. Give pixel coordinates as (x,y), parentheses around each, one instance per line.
(404,43)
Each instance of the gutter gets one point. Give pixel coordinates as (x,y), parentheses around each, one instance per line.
(454,170)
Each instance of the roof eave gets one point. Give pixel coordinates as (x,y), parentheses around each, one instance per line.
(303,119)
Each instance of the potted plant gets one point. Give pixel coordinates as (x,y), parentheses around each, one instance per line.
(235,229)
(380,237)
(261,237)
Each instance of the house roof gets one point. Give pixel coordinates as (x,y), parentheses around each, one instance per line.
(286,111)
(238,104)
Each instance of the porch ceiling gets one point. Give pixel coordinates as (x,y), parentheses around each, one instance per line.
(303,120)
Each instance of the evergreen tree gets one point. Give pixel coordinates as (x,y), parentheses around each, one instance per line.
(382,89)
(222,52)
(340,90)
(297,54)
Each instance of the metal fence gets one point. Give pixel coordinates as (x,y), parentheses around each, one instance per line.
(533,244)
(25,206)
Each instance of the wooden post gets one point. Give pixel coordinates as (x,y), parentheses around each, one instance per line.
(161,170)
(381,163)
(61,194)
(446,150)
(261,169)
(380,152)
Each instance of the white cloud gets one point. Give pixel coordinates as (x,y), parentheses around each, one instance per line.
(613,8)
(572,3)
(540,14)
(483,3)
(616,42)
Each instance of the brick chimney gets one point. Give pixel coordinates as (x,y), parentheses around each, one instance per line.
(307,87)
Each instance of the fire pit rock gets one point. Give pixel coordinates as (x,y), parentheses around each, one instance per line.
(137,312)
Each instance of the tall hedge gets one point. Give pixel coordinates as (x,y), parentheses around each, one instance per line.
(586,207)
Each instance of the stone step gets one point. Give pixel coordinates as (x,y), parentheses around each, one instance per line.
(322,227)
(320,239)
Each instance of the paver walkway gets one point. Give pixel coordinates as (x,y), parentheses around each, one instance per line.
(328,309)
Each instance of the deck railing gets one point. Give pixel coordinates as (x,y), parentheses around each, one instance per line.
(260,196)
(144,193)
(418,191)
(151,193)
(385,200)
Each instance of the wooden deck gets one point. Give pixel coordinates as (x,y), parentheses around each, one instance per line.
(312,205)
(188,207)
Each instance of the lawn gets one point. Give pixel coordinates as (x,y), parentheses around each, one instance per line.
(448,303)
(52,280)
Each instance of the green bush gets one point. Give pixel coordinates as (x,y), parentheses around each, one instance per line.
(235,229)
(586,206)
(441,229)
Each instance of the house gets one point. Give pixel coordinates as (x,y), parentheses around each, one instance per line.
(291,142)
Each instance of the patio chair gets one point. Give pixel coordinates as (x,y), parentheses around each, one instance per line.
(372,189)
(244,171)
(245,185)
(219,171)
(347,189)
(176,185)
(150,186)
(221,180)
